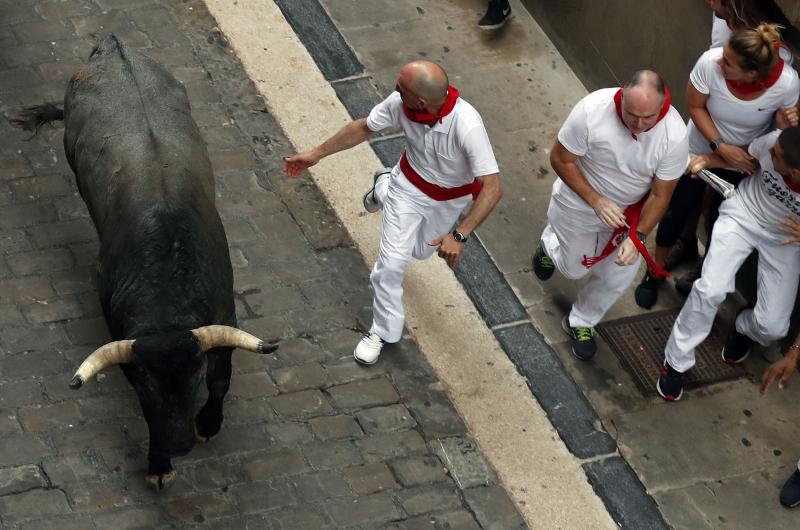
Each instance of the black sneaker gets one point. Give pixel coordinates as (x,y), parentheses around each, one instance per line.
(670,384)
(686,282)
(543,264)
(583,345)
(496,15)
(646,293)
(790,492)
(681,252)
(736,348)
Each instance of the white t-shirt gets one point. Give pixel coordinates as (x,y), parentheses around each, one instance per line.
(720,33)
(449,154)
(617,166)
(738,122)
(764,195)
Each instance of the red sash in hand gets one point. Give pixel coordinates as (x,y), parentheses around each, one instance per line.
(632,214)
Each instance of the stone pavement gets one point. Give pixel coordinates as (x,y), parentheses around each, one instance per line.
(310,439)
(727,473)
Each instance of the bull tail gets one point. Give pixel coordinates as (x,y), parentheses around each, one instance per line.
(32,118)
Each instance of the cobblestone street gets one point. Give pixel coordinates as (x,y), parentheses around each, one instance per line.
(310,439)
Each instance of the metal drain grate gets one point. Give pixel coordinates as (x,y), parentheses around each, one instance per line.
(639,342)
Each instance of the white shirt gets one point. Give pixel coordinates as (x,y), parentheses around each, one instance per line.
(739,122)
(615,165)
(764,195)
(720,32)
(449,154)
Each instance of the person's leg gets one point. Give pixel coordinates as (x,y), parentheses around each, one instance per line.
(566,242)
(777,280)
(790,492)
(685,199)
(726,253)
(729,247)
(607,283)
(398,236)
(497,14)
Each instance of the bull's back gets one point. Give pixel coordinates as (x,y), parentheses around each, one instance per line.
(129,134)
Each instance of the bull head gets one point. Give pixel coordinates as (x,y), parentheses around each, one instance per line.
(121,351)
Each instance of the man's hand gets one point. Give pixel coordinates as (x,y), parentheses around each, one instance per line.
(627,253)
(786,117)
(737,157)
(608,212)
(790,225)
(784,369)
(696,163)
(294,165)
(449,249)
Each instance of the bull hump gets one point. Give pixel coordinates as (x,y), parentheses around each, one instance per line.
(120,78)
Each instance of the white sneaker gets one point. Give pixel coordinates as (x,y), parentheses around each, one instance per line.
(371,203)
(368,348)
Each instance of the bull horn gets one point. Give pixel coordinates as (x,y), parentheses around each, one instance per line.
(117,352)
(226,336)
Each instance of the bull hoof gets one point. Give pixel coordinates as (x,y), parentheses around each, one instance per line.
(161,482)
(207,424)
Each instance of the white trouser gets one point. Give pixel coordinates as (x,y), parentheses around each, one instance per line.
(410,221)
(567,238)
(736,234)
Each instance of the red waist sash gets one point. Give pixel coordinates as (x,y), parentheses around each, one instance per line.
(438,193)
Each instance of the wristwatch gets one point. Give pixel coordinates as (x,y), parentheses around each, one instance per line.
(715,143)
(458,236)
(642,237)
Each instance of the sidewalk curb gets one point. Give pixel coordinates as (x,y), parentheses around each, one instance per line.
(565,405)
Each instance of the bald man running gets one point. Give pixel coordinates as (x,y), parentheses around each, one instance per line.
(448,161)
(618,155)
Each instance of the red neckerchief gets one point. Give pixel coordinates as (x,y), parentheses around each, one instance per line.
(420,116)
(632,214)
(792,185)
(759,85)
(661,113)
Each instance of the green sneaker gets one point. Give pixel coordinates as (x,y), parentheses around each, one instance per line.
(583,345)
(543,264)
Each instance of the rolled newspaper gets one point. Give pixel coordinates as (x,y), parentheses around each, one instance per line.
(723,187)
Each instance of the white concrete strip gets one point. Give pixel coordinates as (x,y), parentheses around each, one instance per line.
(542,477)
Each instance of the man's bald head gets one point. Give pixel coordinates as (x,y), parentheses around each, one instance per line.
(426,80)
(642,99)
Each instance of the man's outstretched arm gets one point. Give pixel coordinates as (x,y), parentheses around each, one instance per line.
(348,136)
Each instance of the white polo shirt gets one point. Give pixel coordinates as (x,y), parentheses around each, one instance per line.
(765,197)
(449,154)
(739,122)
(615,164)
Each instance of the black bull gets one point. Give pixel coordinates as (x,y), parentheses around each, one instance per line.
(165,278)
